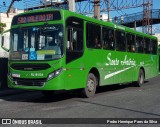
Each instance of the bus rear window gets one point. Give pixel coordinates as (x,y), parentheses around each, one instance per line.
(36,17)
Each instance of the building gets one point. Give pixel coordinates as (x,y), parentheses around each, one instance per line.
(7,20)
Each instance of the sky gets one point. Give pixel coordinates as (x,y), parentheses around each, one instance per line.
(156,5)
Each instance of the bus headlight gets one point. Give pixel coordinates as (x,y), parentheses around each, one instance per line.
(55,73)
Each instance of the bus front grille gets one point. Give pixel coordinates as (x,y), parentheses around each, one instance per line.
(21,83)
(29,82)
(30,67)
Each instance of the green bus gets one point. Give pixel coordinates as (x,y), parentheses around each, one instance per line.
(159,56)
(54,50)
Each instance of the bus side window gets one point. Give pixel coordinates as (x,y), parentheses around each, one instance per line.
(108,39)
(139,44)
(130,43)
(93,36)
(153,47)
(147,45)
(120,40)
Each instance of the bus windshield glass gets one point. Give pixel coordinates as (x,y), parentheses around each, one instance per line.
(37,43)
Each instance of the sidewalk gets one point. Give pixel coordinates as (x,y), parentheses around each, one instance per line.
(7,92)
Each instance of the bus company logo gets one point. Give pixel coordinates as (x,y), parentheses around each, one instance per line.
(116,61)
(6,121)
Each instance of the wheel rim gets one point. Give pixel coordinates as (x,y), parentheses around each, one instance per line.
(90,85)
(141,79)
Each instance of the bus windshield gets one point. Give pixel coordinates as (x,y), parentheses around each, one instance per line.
(37,43)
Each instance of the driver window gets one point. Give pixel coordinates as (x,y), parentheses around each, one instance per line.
(74,40)
(74,43)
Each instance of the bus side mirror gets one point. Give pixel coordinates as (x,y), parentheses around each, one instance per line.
(3,43)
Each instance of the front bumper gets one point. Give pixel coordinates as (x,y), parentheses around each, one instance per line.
(56,83)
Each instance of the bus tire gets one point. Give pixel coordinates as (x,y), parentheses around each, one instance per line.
(140,78)
(47,93)
(90,89)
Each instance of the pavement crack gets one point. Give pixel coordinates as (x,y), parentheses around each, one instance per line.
(126,109)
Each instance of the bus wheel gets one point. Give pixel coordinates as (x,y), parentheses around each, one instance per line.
(90,89)
(140,78)
(47,93)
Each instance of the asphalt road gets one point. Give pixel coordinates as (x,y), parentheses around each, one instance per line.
(118,101)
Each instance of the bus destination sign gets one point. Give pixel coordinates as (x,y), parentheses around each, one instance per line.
(35,18)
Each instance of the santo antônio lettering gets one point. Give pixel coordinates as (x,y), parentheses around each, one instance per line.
(116,61)
(35,18)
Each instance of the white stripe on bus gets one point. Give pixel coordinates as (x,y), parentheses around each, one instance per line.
(117,72)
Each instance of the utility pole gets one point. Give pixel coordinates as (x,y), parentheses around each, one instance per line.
(97,9)
(108,9)
(147,16)
(71,5)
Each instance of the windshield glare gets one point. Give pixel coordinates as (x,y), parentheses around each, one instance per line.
(37,43)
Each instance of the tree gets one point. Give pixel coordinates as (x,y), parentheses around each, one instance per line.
(2,26)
